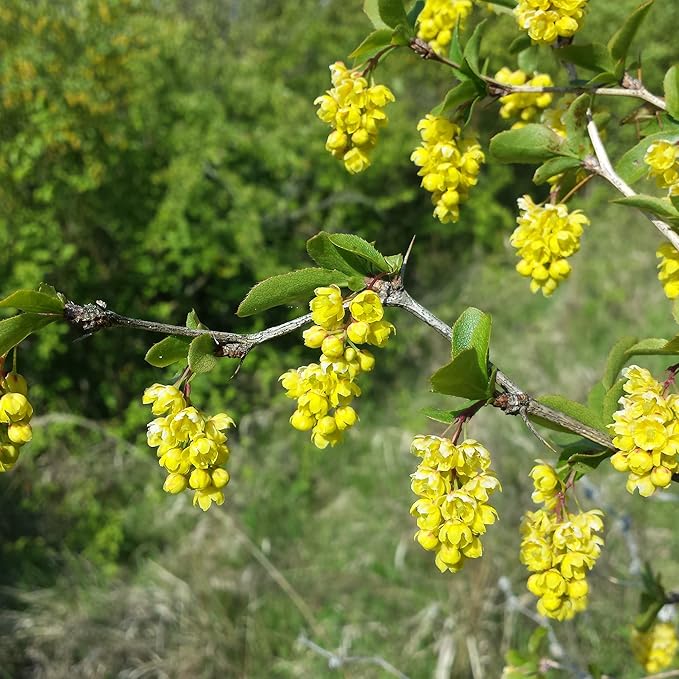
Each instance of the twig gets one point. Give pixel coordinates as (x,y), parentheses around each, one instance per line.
(336,661)
(602,166)
(93,317)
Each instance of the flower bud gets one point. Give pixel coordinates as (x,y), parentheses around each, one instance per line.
(220,477)
(313,337)
(174,483)
(199,479)
(20,433)
(16,383)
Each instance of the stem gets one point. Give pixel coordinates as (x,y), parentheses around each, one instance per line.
(602,166)
(93,317)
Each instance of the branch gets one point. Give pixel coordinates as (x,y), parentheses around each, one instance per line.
(512,399)
(601,165)
(631,87)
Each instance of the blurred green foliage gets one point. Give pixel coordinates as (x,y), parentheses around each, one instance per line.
(163,156)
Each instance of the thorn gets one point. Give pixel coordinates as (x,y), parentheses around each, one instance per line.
(406,257)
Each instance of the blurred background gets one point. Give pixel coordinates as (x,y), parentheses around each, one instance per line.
(164,156)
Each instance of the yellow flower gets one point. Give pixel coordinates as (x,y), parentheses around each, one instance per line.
(547,485)
(449,166)
(655,649)
(354,110)
(175,483)
(523,105)
(436,22)
(546,236)
(327,307)
(668,269)
(453,483)
(546,20)
(15,407)
(366,307)
(662,158)
(164,398)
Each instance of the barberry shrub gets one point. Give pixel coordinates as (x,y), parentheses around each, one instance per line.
(556,118)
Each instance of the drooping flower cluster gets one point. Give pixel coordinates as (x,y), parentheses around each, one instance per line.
(546,20)
(437,20)
(449,165)
(525,106)
(454,484)
(558,548)
(545,237)
(191,446)
(15,416)
(646,432)
(662,158)
(668,269)
(655,649)
(355,111)
(324,390)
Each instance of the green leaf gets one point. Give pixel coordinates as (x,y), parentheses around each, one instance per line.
(327,255)
(455,52)
(201,354)
(168,351)
(447,416)
(462,377)
(460,94)
(553,167)
(359,253)
(603,78)
(414,12)
(530,144)
(193,322)
(575,121)
(661,207)
(631,166)
(611,399)
(31,300)
(619,44)
(573,409)
(654,346)
(395,263)
(288,288)
(594,57)
(471,49)
(472,331)
(392,12)
(528,59)
(617,357)
(595,398)
(520,43)
(376,41)
(372,11)
(15,329)
(671,86)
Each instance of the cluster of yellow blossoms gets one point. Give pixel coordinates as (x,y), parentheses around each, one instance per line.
(325,390)
(449,165)
(662,158)
(523,105)
(546,20)
(191,446)
(646,432)
(655,649)
(668,269)
(545,237)
(15,416)
(354,110)
(437,20)
(454,483)
(558,548)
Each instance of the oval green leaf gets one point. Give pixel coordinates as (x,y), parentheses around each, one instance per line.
(168,351)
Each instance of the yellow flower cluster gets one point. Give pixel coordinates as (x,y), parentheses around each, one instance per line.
(191,446)
(454,483)
(437,21)
(523,105)
(558,548)
(355,111)
(324,391)
(668,269)
(449,166)
(15,416)
(662,158)
(646,432)
(546,20)
(655,649)
(545,237)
